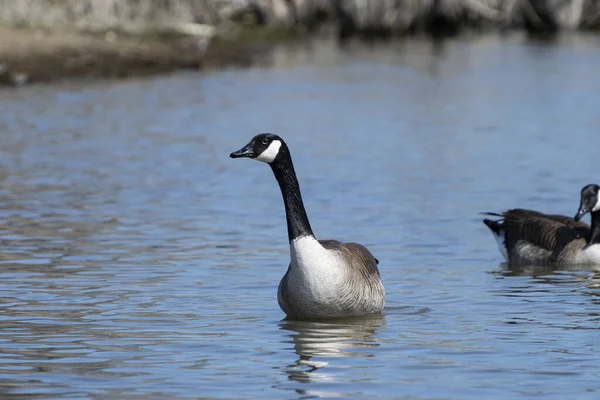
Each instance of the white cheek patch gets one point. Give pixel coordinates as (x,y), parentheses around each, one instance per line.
(270,153)
(597,206)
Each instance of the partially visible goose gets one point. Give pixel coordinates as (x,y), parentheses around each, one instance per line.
(531,237)
(325,278)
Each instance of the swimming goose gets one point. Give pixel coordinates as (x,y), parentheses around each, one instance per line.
(325,278)
(532,237)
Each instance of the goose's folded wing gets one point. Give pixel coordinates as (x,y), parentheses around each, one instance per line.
(541,231)
(580,227)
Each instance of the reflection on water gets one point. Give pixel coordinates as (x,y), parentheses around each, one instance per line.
(138,261)
(313,340)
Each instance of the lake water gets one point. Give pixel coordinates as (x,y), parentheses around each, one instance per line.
(139,261)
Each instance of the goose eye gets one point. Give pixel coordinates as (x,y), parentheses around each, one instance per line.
(265,141)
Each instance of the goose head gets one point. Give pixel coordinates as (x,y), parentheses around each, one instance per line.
(590,202)
(265,147)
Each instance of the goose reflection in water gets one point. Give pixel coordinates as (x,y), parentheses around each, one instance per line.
(585,277)
(333,338)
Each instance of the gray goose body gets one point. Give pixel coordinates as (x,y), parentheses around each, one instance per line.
(532,237)
(351,287)
(325,278)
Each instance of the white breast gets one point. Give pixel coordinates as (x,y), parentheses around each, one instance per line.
(320,284)
(315,270)
(590,255)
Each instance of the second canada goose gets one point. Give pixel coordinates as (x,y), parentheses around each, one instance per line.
(532,237)
(325,278)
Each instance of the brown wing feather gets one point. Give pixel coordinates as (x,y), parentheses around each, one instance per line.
(355,251)
(540,230)
(581,227)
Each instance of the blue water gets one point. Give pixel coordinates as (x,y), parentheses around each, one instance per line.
(139,261)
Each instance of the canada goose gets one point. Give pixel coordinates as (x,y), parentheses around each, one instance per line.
(325,278)
(531,237)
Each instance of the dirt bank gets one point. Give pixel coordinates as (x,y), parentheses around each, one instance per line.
(29,56)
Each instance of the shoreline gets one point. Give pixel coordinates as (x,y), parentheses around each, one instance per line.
(29,56)
(49,40)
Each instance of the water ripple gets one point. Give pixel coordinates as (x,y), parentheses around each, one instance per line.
(139,261)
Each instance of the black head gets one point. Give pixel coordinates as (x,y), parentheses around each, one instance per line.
(263,147)
(589,201)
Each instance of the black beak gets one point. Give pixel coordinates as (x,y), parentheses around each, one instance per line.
(581,212)
(245,151)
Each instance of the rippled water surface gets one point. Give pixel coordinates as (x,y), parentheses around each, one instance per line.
(139,261)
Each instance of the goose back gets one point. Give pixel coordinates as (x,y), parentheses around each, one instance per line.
(519,213)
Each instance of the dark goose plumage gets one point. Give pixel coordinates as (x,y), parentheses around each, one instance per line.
(532,237)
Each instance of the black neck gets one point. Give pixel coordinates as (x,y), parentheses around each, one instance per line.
(595,231)
(297,220)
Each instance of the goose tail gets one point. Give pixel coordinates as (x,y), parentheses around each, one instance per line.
(498,232)
(495,226)
(492,214)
